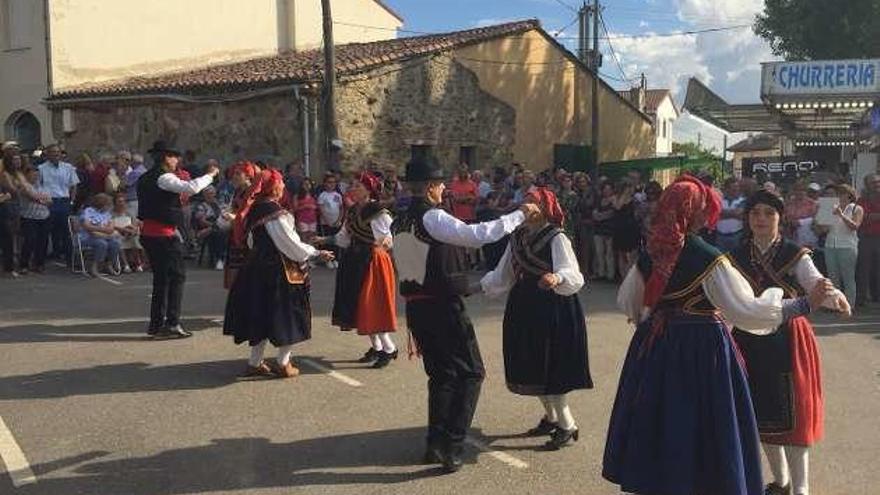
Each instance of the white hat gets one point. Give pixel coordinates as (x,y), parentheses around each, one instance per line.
(336,143)
(814,187)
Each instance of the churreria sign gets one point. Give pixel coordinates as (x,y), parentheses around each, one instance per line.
(838,77)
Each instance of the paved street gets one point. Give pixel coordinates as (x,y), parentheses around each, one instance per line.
(96,409)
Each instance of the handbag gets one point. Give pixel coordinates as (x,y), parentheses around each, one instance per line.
(296,273)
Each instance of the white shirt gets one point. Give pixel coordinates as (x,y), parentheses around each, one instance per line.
(484,189)
(729,291)
(282,231)
(57,180)
(565,266)
(380,225)
(840,236)
(172,183)
(330,206)
(95,218)
(446,228)
(730,225)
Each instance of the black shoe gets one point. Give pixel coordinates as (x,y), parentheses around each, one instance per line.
(370,356)
(545,427)
(170,333)
(433,455)
(561,437)
(153,331)
(384,359)
(775,489)
(451,459)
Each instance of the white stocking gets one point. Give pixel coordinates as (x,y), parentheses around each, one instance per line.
(257,354)
(563,412)
(549,412)
(799,465)
(284,353)
(778,463)
(376,342)
(387,344)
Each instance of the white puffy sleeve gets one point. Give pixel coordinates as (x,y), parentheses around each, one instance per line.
(808,276)
(565,266)
(284,236)
(343,237)
(381,226)
(446,228)
(502,278)
(631,295)
(729,291)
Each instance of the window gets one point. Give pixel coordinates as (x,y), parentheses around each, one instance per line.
(421,151)
(18,23)
(664,128)
(468,155)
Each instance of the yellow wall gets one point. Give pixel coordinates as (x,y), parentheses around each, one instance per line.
(309,30)
(97,40)
(543,85)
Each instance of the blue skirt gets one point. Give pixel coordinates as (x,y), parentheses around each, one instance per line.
(683,422)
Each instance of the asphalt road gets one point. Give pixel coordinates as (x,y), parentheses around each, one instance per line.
(91,407)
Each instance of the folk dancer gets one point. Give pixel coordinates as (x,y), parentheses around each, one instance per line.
(545,335)
(784,371)
(242,178)
(269,299)
(159,191)
(432,264)
(683,421)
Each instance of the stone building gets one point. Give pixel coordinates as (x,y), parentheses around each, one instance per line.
(486,96)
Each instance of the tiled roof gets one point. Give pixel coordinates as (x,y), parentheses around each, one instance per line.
(758,142)
(653,99)
(293,67)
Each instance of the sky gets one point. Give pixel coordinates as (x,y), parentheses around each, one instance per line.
(639,33)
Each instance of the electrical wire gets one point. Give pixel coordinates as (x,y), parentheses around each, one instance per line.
(567,6)
(611,48)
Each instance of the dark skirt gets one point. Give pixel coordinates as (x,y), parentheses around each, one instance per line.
(682,422)
(354,261)
(263,305)
(545,342)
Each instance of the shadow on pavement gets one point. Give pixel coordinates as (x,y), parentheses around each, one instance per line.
(125,378)
(248,463)
(100,332)
(864,322)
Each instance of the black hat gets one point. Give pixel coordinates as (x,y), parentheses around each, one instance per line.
(423,170)
(765,198)
(160,147)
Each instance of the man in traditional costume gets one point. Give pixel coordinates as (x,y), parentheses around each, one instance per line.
(784,371)
(683,422)
(545,333)
(269,299)
(432,268)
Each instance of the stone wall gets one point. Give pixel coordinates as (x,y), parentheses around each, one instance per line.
(380,115)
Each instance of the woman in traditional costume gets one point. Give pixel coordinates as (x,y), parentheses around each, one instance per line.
(545,335)
(242,178)
(269,299)
(683,422)
(784,372)
(365,287)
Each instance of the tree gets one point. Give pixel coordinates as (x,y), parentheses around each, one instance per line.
(821,29)
(694,151)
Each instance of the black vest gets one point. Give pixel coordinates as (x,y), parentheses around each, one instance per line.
(446,265)
(684,289)
(774,270)
(157,204)
(532,252)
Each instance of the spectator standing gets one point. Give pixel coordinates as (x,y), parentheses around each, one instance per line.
(115,182)
(97,233)
(35,225)
(799,212)
(626,231)
(135,172)
(842,242)
(330,207)
(526,182)
(208,228)
(568,200)
(293,176)
(483,186)
(868,264)
(584,223)
(730,227)
(8,195)
(84,167)
(127,234)
(646,209)
(464,195)
(59,180)
(603,240)
(305,210)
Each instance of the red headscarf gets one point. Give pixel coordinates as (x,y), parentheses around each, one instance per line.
(249,169)
(678,209)
(372,183)
(546,199)
(265,183)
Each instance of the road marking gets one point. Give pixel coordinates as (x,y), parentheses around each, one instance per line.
(217,321)
(74,322)
(841,325)
(498,455)
(109,280)
(16,463)
(329,372)
(59,264)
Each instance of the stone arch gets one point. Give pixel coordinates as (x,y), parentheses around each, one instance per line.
(24,127)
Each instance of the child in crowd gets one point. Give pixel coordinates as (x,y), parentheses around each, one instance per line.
(305,210)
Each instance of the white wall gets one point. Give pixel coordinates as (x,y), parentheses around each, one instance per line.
(309,29)
(665,113)
(23,78)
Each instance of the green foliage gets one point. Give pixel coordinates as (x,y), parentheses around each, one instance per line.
(821,29)
(694,151)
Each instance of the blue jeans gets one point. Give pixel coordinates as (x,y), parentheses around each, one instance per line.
(59,210)
(841,265)
(101,248)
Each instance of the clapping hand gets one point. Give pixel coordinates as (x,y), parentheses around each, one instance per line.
(549,281)
(326,256)
(822,291)
(837,211)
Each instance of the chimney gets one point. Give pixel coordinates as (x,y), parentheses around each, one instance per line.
(638,95)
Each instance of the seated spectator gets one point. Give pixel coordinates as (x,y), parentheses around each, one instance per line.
(96,233)
(128,230)
(305,210)
(35,226)
(208,228)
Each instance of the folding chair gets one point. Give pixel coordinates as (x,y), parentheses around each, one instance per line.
(76,251)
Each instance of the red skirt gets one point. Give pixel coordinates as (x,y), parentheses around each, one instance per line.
(808,404)
(377,304)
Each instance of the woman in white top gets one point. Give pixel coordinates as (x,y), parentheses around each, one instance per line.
(842,243)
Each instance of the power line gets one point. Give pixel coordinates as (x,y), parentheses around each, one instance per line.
(611,48)
(567,6)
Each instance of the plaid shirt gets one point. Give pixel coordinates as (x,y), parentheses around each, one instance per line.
(30,209)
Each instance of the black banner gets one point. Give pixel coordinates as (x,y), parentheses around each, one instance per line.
(781,170)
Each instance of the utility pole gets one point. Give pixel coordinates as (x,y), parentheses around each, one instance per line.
(329,89)
(595,62)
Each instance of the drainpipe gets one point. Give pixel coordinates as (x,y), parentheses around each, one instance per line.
(304,115)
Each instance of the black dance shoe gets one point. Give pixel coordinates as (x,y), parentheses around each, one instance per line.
(451,459)
(433,455)
(545,427)
(384,359)
(171,333)
(370,356)
(775,489)
(561,437)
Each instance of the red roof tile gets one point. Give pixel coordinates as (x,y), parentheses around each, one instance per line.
(293,67)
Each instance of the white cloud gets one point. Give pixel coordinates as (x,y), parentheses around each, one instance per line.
(492,22)
(644,24)
(667,62)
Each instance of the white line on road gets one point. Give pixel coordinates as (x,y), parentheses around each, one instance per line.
(841,325)
(500,456)
(16,463)
(109,280)
(73,322)
(59,264)
(329,372)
